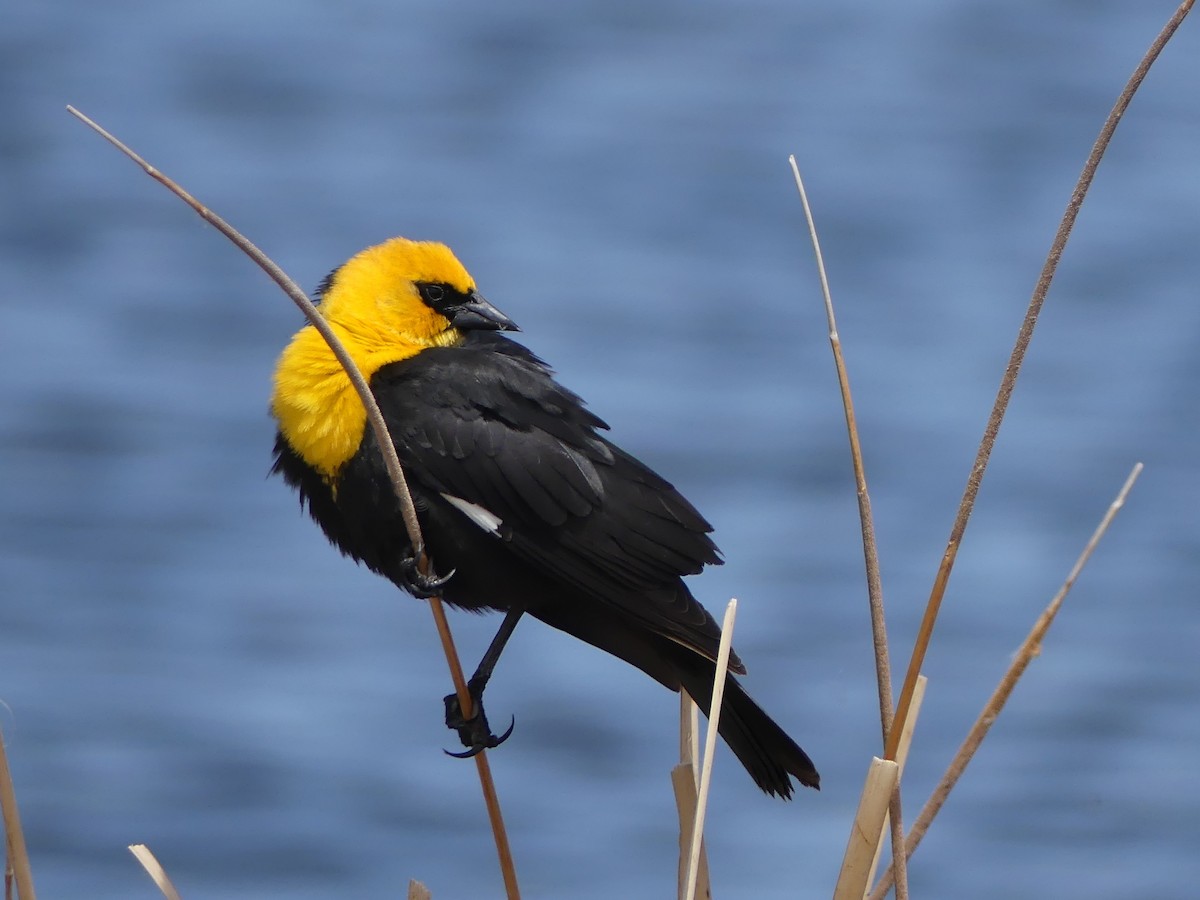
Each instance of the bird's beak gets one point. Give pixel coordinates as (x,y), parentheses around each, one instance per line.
(478,314)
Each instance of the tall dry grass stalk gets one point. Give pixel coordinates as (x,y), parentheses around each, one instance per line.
(883,666)
(685,781)
(15,853)
(155,870)
(710,747)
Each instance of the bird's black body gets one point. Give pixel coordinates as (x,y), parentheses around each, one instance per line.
(566,526)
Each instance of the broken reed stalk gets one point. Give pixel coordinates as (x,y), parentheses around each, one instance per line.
(155,870)
(16,854)
(880,785)
(873,813)
(1030,649)
(387,449)
(710,747)
(871,817)
(689,733)
(910,725)
(685,780)
(1017,358)
(883,666)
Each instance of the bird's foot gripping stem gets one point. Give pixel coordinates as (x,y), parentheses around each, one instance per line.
(475,733)
(419,584)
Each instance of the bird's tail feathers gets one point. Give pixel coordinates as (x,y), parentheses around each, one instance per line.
(765,749)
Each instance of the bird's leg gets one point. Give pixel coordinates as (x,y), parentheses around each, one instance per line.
(475,733)
(419,584)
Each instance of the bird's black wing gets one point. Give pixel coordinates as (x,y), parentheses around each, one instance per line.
(484,423)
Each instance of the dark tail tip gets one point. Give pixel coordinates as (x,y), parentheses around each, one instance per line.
(770,756)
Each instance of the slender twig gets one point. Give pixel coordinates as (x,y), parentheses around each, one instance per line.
(155,870)
(483,767)
(883,666)
(895,821)
(297,296)
(1014,364)
(883,674)
(1029,650)
(710,746)
(17,856)
(387,449)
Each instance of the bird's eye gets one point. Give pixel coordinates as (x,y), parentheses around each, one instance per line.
(433,293)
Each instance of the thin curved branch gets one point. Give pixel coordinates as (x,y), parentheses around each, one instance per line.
(392,461)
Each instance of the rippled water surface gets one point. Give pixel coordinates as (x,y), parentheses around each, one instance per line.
(183,660)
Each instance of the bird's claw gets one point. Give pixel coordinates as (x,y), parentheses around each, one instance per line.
(419,584)
(491,742)
(475,732)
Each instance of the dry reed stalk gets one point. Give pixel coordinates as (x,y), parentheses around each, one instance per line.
(689,733)
(1030,648)
(883,666)
(870,548)
(1000,406)
(882,778)
(16,854)
(910,725)
(710,746)
(685,780)
(155,870)
(391,460)
(1017,358)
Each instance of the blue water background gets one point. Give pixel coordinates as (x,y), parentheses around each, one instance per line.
(185,662)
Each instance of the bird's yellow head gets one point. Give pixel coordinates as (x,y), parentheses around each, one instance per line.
(387,303)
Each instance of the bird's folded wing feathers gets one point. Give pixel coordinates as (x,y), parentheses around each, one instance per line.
(494,429)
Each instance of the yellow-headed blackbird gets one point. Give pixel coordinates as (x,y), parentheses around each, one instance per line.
(524,504)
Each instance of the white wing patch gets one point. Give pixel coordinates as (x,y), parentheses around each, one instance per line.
(488,521)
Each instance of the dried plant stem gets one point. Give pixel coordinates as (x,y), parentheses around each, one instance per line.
(1030,649)
(867,832)
(1016,359)
(297,296)
(16,855)
(710,746)
(883,667)
(155,870)
(910,724)
(895,820)
(870,549)
(387,449)
(689,733)
(483,767)
(685,780)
